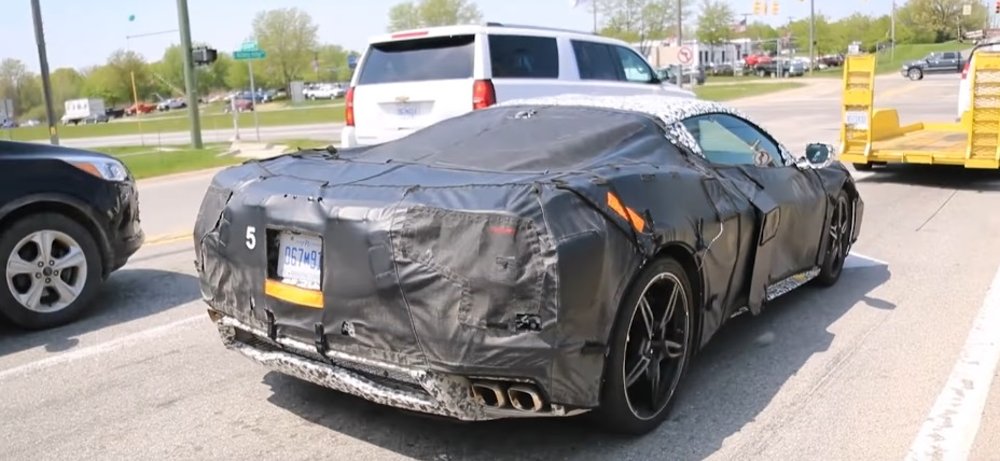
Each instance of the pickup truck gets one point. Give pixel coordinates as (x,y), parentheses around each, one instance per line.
(947,62)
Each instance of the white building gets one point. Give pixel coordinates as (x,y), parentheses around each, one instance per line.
(666,52)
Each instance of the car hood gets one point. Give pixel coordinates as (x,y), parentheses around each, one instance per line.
(14,149)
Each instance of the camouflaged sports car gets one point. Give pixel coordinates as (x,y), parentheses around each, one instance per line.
(539,258)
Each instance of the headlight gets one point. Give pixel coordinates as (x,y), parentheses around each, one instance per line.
(107,169)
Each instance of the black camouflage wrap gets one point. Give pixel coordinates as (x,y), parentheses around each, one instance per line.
(484,247)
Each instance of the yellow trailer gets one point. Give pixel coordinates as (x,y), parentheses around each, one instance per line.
(870,136)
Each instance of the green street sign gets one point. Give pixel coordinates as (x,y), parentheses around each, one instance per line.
(244,55)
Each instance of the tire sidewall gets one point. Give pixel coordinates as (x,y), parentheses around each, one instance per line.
(10,308)
(832,268)
(614,412)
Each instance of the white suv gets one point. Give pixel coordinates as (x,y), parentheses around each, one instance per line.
(408,80)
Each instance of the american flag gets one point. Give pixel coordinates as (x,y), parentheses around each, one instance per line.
(741,26)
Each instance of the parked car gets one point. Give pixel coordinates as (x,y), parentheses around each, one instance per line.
(542,258)
(68,219)
(140,108)
(324,92)
(114,112)
(8,123)
(242,105)
(669,74)
(411,79)
(946,62)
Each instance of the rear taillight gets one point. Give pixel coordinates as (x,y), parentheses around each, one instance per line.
(349,107)
(965,69)
(483,94)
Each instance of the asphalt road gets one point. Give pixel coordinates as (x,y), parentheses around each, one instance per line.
(848,372)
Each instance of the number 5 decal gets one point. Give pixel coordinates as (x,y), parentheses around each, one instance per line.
(251,237)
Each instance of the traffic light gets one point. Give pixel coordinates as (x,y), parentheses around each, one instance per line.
(997,9)
(774,7)
(203,55)
(760,7)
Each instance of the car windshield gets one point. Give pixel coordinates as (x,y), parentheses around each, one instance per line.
(436,58)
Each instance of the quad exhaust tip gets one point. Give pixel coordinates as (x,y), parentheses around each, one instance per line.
(489,394)
(524,398)
(497,395)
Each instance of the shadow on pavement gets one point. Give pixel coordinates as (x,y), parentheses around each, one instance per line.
(127,295)
(730,383)
(940,176)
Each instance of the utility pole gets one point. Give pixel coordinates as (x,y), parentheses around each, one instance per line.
(812,36)
(680,42)
(43,63)
(189,75)
(892,32)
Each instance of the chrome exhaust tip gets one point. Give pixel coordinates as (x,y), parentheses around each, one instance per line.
(489,394)
(524,398)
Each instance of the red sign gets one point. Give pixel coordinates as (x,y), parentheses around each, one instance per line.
(685,55)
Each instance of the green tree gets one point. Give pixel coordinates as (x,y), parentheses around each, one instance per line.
(18,85)
(715,24)
(288,35)
(332,60)
(431,13)
(67,83)
(641,21)
(112,82)
(942,18)
(168,73)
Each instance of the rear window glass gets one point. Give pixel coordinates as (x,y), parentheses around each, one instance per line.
(437,58)
(515,56)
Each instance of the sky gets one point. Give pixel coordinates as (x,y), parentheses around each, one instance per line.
(81,33)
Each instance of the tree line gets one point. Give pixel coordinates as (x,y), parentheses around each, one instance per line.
(290,38)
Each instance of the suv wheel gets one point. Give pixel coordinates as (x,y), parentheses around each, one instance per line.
(915,74)
(52,270)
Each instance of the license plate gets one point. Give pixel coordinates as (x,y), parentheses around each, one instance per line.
(857,119)
(406,110)
(300,259)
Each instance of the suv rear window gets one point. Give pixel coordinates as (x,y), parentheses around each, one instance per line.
(436,58)
(516,56)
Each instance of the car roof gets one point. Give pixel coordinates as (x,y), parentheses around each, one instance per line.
(490,27)
(669,109)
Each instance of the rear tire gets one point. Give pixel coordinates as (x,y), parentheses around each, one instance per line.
(653,335)
(56,293)
(915,74)
(839,244)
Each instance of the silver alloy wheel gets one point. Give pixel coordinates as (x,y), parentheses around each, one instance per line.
(660,347)
(46,271)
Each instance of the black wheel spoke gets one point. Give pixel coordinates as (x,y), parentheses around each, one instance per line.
(640,367)
(671,306)
(653,373)
(653,364)
(647,316)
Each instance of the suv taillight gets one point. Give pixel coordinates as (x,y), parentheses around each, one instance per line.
(965,68)
(349,107)
(483,94)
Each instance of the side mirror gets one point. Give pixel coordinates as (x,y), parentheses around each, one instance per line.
(819,154)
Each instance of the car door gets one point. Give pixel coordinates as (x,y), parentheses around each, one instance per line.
(790,202)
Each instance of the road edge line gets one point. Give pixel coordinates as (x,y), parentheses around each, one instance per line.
(950,430)
(167,238)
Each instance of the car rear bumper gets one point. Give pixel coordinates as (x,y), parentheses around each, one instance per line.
(407,388)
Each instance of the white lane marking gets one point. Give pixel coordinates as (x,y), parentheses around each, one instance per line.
(858,260)
(950,429)
(96,349)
